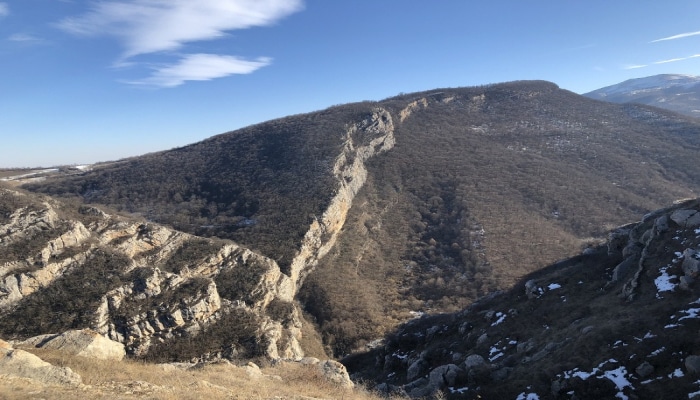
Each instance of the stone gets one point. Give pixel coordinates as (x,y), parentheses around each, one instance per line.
(416,369)
(644,369)
(692,365)
(531,289)
(474,361)
(686,218)
(336,373)
(501,374)
(85,343)
(691,265)
(661,224)
(686,282)
(26,365)
(482,340)
(444,376)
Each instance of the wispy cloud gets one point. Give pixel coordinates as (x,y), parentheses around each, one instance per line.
(145,27)
(24,38)
(679,36)
(670,60)
(201,67)
(4,10)
(149,26)
(634,66)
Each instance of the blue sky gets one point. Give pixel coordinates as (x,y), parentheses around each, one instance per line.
(86,81)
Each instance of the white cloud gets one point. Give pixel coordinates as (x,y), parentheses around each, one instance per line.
(679,36)
(670,60)
(201,67)
(23,37)
(635,66)
(149,26)
(4,10)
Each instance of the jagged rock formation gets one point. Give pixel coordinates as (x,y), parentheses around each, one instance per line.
(619,321)
(136,283)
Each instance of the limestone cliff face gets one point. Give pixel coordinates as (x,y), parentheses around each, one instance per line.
(161,293)
(365,139)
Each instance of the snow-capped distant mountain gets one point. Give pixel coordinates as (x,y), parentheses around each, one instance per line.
(679,93)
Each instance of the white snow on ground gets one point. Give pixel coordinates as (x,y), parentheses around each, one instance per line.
(553,286)
(663,282)
(527,396)
(657,352)
(678,373)
(501,317)
(495,353)
(691,313)
(618,376)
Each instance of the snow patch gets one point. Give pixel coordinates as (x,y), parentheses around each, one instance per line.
(663,282)
(527,396)
(501,317)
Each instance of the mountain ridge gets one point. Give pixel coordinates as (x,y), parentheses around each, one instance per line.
(479,186)
(679,93)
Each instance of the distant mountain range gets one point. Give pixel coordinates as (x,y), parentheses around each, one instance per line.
(679,93)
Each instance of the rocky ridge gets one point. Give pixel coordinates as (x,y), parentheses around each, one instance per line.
(146,302)
(169,284)
(618,321)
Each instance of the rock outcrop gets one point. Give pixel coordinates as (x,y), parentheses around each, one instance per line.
(618,321)
(84,343)
(15,362)
(158,284)
(364,140)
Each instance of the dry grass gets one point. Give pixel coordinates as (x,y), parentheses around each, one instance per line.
(133,379)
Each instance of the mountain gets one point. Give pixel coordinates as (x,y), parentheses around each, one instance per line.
(679,93)
(375,212)
(619,320)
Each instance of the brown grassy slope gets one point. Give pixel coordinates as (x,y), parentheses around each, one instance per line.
(543,171)
(137,380)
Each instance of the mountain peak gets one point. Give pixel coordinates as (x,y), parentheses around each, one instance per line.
(675,92)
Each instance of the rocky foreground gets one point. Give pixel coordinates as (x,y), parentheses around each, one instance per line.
(618,321)
(84,364)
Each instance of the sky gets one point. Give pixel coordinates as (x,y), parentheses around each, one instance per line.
(84,81)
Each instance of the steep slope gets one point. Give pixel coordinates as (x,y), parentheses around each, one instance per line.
(166,295)
(419,203)
(679,93)
(618,321)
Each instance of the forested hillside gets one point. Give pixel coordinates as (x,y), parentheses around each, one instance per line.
(419,203)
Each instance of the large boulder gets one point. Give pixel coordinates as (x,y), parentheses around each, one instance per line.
(20,363)
(336,373)
(444,376)
(85,343)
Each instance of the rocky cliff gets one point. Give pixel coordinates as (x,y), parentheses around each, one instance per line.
(153,285)
(137,283)
(618,321)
